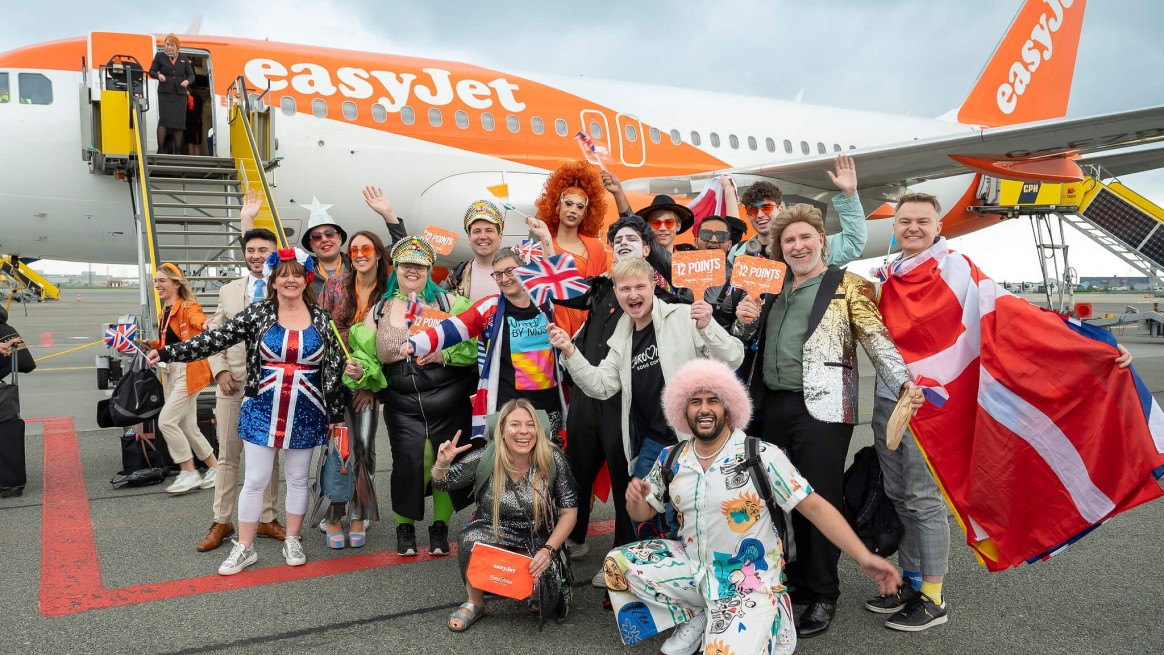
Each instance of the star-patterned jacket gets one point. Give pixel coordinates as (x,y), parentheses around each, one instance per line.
(250,325)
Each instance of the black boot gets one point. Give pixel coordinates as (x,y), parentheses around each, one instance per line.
(815,620)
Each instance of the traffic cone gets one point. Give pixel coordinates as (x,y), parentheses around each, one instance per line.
(46,340)
(78,297)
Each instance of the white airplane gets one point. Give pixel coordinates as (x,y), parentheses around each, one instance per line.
(435,134)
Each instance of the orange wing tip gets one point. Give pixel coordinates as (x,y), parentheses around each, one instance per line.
(886,210)
(1057,169)
(499,190)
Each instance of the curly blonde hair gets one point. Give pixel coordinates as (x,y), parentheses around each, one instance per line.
(579,174)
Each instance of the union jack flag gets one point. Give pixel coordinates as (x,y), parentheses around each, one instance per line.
(592,150)
(120,337)
(412,310)
(287,375)
(552,278)
(530,250)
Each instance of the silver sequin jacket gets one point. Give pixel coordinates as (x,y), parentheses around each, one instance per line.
(843,314)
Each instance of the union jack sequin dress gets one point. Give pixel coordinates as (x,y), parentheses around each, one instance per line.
(289,410)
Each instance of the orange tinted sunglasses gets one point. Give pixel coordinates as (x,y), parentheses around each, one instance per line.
(662,223)
(766,207)
(367,250)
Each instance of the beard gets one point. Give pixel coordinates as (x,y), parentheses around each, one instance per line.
(712,433)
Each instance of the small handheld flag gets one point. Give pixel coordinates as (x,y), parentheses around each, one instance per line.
(530,250)
(594,152)
(120,337)
(412,310)
(553,278)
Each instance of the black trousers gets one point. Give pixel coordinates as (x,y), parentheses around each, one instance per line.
(594,436)
(818,450)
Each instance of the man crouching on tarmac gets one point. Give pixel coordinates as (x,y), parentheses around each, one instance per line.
(721,583)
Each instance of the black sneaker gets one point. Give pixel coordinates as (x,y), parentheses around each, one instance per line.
(438,538)
(406,539)
(920,614)
(895,603)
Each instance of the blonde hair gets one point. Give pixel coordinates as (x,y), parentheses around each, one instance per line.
(542,459)
(171,38)
(175,275)
(632,267)
(799,213)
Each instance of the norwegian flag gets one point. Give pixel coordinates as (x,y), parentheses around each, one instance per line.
(120,337)
(552,278)
(412,310)
(531,250)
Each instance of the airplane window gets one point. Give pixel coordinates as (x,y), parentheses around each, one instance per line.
(675,138)
(487,121)
(512,124)
(852,147)
(714,140)
(536,125)
(752,143)
(379,113)
(805,148)
(407,115)
(836,147)
(694,138)
(35,89)
(349,109)
(560,127)
(656,137)
(820,147)
(462,119)
(787,146)
(595,130)
(319,108)
(734,141)
(770,144)
(3,87)
(632,134)
(286,103)
(434,117)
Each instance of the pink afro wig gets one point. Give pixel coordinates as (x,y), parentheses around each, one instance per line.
(706,375)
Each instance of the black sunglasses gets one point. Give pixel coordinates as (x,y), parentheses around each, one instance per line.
(719,235)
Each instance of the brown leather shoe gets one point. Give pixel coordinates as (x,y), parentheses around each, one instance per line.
(213,539)
(273,530)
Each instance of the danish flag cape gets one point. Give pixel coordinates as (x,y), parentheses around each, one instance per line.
(1034,434)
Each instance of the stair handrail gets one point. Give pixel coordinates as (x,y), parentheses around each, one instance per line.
(240,107)
(144,207)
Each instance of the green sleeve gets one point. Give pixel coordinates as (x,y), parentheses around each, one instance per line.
(848,244)
(465,352)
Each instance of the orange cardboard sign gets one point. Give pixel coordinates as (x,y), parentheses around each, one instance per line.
(428,318)
(757,275)
(499,571)
(698,270)
(441,240)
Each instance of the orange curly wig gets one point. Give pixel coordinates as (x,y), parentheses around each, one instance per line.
(585,176)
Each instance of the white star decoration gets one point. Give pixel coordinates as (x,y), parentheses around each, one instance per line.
(318,211)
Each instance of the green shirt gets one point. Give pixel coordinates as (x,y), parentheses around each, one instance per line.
(785,333)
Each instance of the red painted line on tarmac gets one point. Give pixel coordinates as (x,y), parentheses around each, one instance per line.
(70,581)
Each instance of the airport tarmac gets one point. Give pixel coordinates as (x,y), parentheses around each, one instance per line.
(94,569)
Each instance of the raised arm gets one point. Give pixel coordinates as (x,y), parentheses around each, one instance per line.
(849,243)
(379,203)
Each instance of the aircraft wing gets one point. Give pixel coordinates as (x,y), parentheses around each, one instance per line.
(930,158)
(1126,162)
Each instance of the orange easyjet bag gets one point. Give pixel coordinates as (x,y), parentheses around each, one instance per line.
(499,571)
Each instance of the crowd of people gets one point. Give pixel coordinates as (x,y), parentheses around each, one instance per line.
(722,423)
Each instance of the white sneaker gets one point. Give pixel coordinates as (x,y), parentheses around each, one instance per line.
(209,479)
(323,526)
(186,481)
(293,551)
(599,579)
(578,551)
(687,638)
(240,557)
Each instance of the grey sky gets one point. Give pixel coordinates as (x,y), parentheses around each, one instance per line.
(900,56)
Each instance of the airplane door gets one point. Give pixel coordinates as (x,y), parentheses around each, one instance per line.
(595,124)
(632,142)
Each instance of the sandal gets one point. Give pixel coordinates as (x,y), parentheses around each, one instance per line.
(468,614)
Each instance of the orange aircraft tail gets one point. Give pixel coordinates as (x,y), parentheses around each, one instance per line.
(1029,76)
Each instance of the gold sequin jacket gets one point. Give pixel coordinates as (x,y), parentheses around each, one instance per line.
(843,314)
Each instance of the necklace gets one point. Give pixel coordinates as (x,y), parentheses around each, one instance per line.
(708,458)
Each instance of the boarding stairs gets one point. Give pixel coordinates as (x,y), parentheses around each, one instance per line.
(26,278)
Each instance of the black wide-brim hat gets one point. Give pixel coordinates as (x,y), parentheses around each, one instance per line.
(686,218)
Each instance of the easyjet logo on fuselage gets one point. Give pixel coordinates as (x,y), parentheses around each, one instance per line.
(435,86)
(1037,49)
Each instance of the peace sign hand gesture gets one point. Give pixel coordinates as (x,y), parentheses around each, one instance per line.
(447,453)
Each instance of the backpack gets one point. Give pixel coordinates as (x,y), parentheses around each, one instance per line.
(867,508)
(760,481)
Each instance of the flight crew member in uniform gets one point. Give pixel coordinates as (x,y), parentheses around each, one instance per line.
(229,368)
(804,375)
(174,74)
